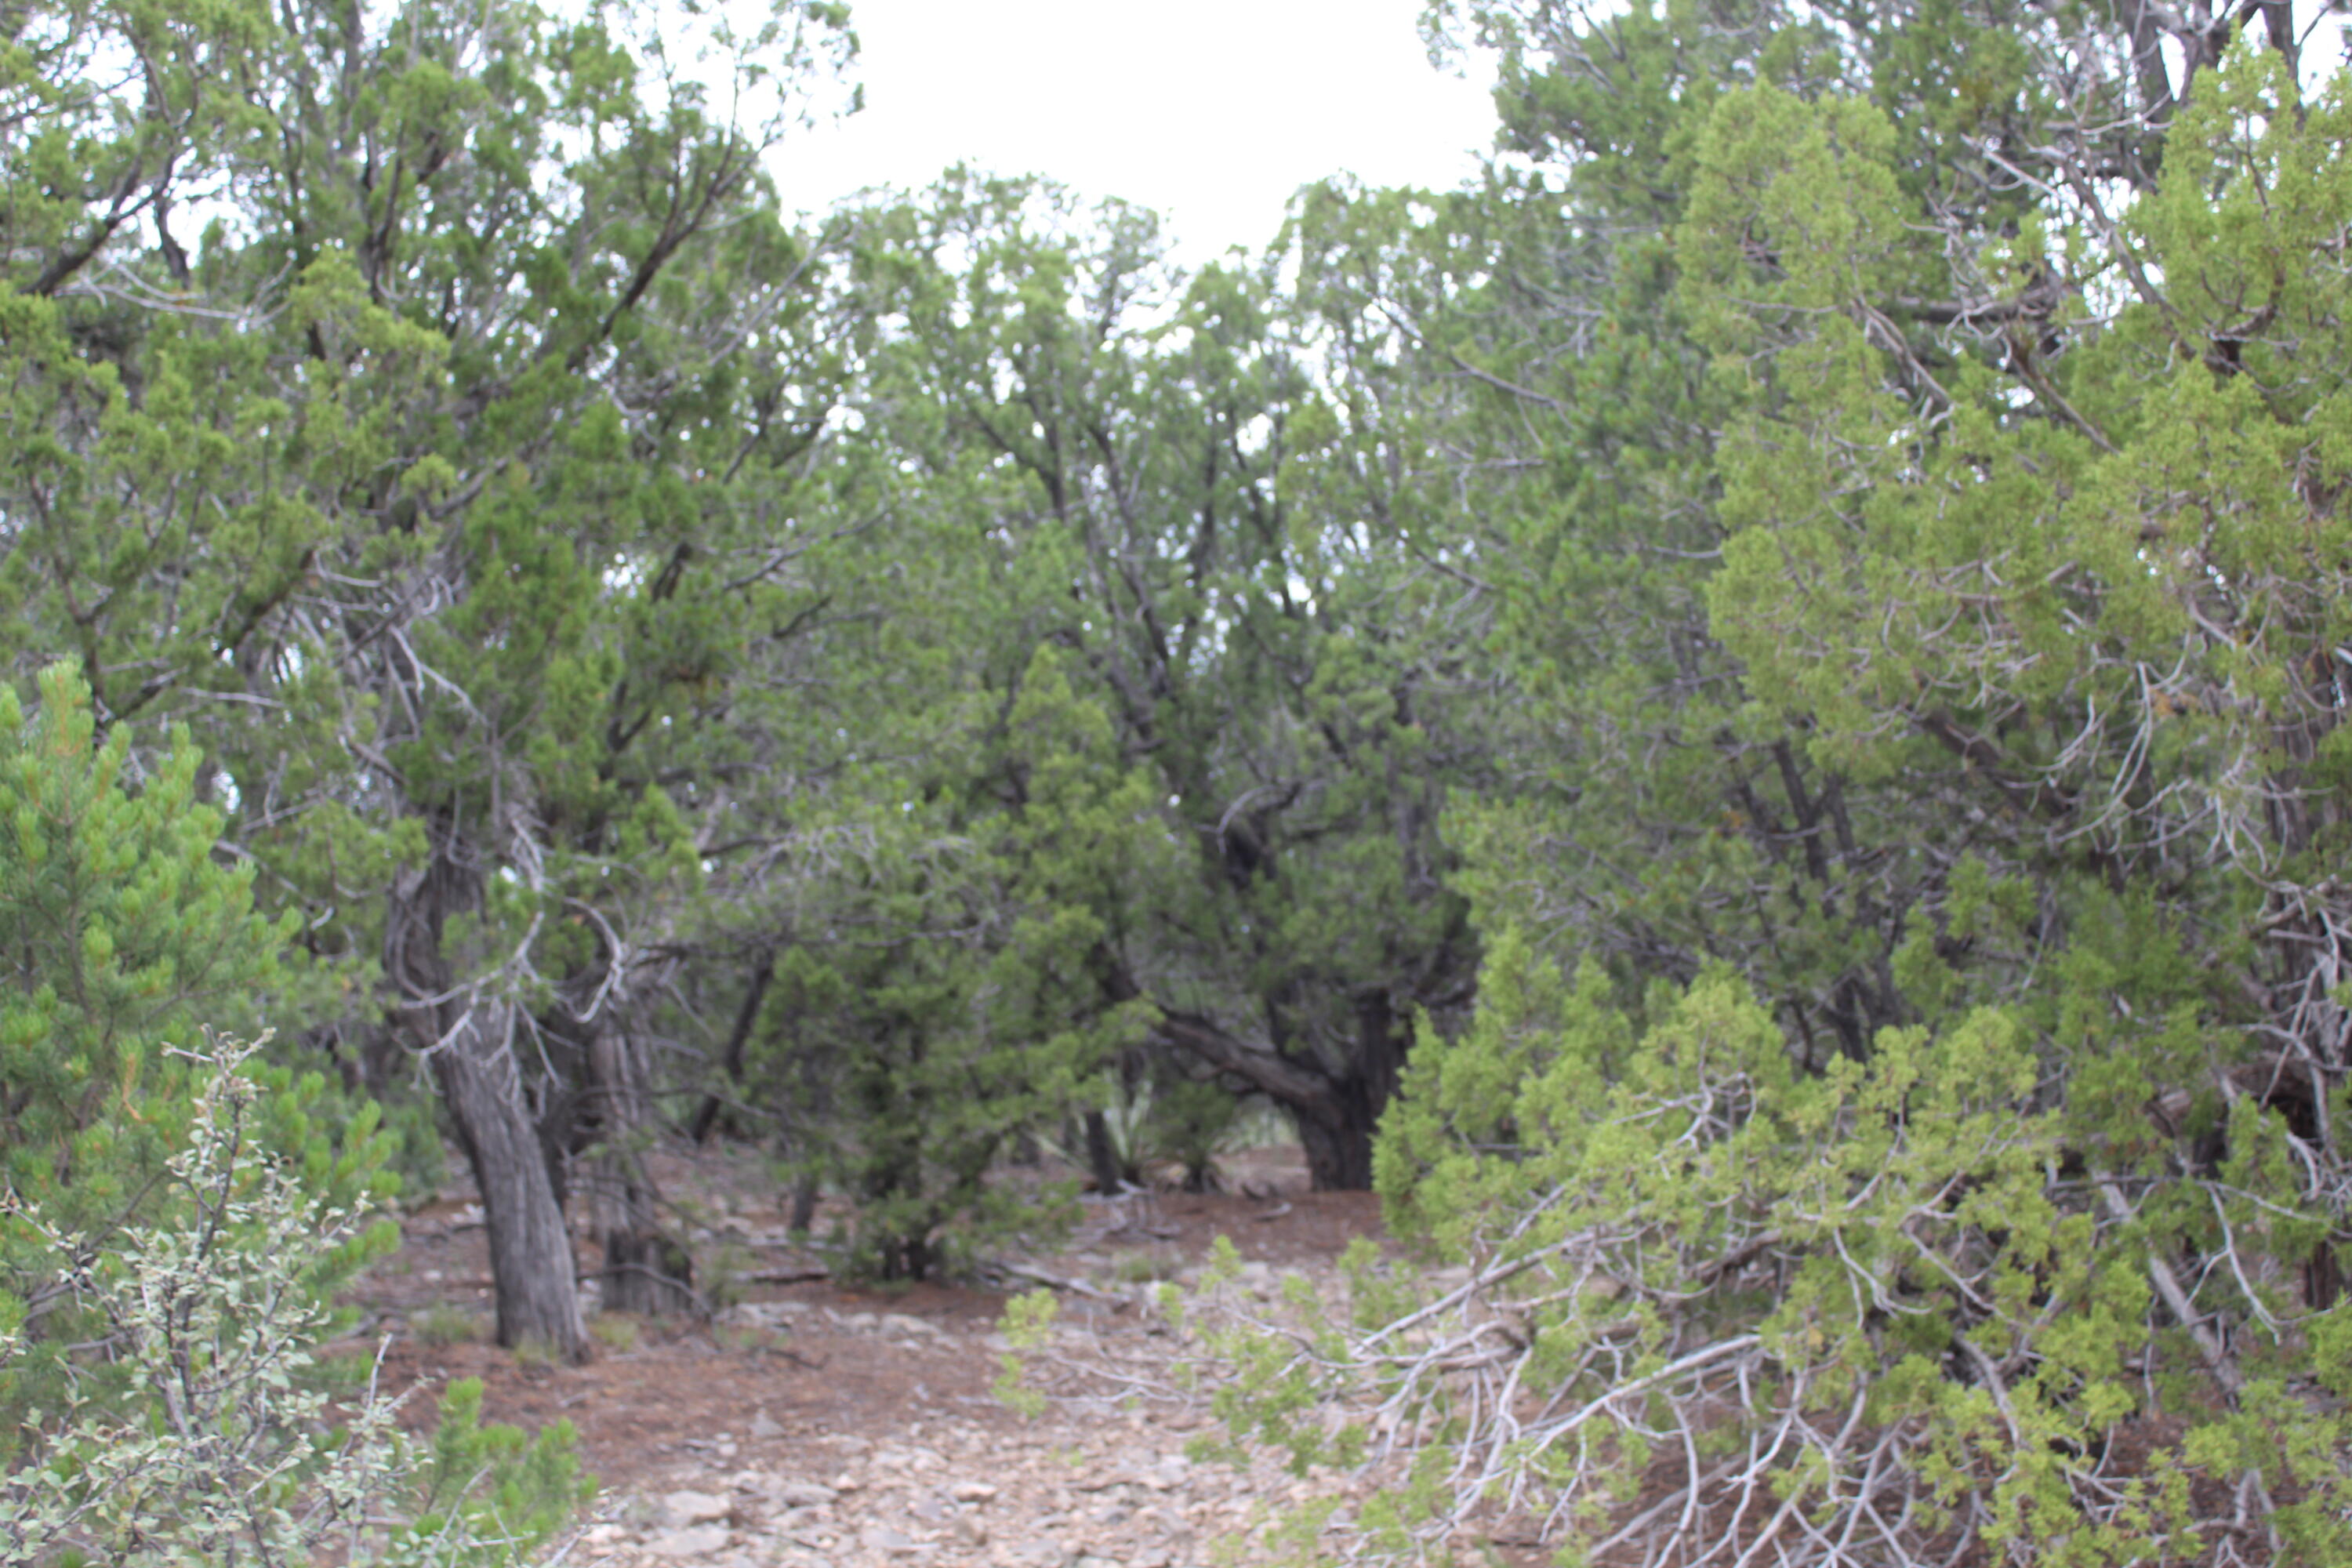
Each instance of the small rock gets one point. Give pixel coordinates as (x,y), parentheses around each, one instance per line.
(931,1509)
(882,1537)
(805,1494)
(906,1323)
(695,1507)
(765,1427)
(845,1482)
(971,1491)
(970,1532)
(699,1542)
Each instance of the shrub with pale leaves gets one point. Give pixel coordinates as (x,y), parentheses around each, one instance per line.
(236,1452)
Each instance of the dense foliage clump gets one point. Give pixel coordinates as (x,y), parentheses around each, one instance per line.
(1901,1113)
(121,933)
(230,1455)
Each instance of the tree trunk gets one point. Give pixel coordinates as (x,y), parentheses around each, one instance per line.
(804,1196)
(731,1061)
(1102,1155)
(645,1272)
(646,1269)
(531,1248)
(468,1033)
(1336,1113)
(1338,1150)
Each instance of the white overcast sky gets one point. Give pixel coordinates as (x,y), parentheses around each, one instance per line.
(1212,112)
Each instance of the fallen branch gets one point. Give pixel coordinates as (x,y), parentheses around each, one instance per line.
(1055,1282)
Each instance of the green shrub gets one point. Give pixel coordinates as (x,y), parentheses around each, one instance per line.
(442,1324)
(616,1331)
(232,1451)
(1698,1298)
(118,927)
(964,1006)
(1191,1122)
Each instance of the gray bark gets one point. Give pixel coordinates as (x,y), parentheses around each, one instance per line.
(468,1034)
(646,1269)
(530,1246)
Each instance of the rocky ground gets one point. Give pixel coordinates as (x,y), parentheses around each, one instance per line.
(1064,1493)
(809,1425)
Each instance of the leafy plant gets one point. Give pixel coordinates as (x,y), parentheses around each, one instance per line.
(233,1448)
(616,1331)
(442,1324)
(118,927)
(962,1003)
(1027,1327)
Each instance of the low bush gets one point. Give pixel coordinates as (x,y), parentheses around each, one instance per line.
(233,1450)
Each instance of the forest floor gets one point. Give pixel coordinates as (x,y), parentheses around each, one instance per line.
(809,1424)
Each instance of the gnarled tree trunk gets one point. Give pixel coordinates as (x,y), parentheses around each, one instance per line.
(530,1246)
(469,1035)
(1336,1113)
(1104,1165)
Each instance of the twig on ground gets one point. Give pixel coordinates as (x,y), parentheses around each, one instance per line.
(1055,1282)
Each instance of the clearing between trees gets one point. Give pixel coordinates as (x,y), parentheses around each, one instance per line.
(807,1424)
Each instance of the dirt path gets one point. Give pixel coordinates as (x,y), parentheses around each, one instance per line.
(812,1426)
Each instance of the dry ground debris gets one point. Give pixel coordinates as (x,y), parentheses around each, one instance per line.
(809,1425)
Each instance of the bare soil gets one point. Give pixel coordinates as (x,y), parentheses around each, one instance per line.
(806,1424)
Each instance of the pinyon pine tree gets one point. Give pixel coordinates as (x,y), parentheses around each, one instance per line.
(124,935)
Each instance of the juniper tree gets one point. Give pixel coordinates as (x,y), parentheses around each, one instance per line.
(1903,1087)
(430,486)
(1177,515)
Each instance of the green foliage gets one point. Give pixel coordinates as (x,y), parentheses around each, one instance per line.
(441,1324)
(615,1333)
(1107,446)
(120,928)
(1874,1292)
(1909,1044)
(1781,670)
(1027,1327)
(937,1051)
(491,1494)
(345,484)
(229,1448)
(1174,1117)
